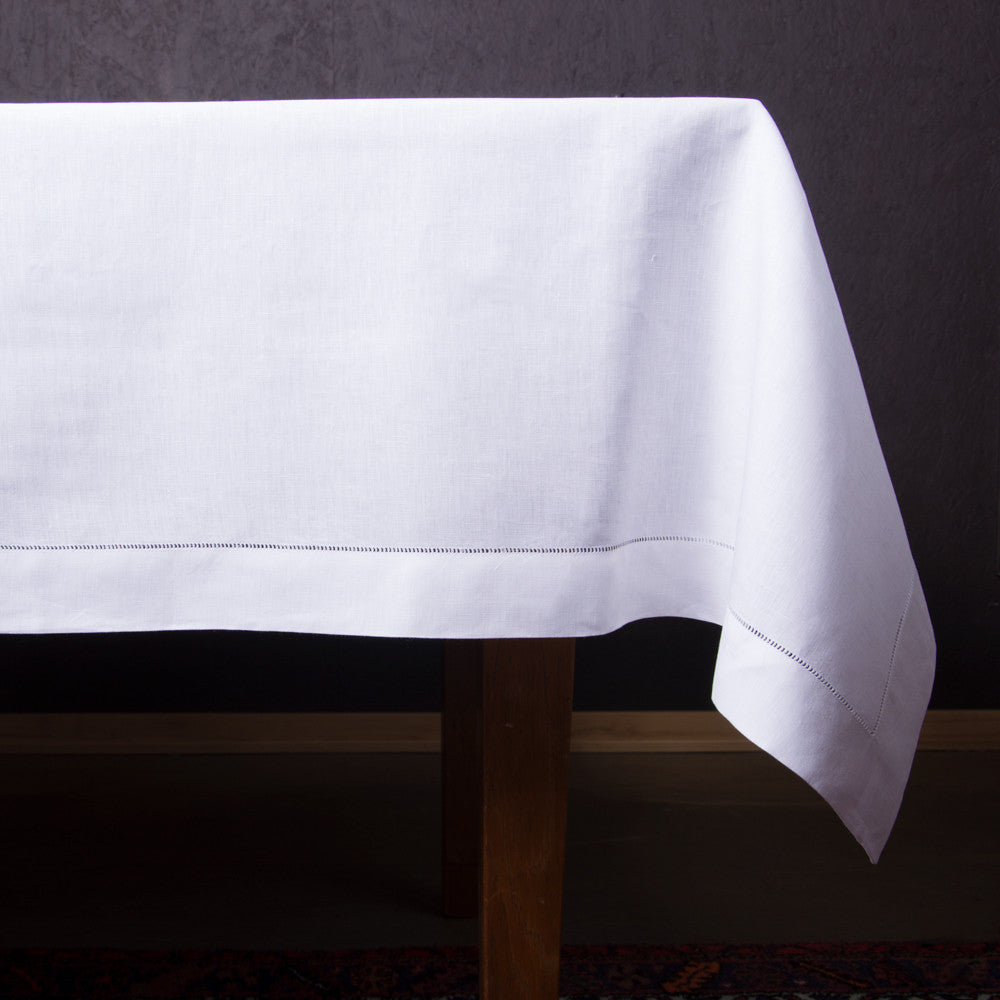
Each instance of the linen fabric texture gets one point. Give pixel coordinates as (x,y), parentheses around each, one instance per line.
(455,368)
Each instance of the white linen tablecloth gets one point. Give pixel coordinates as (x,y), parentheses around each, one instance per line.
(455,368)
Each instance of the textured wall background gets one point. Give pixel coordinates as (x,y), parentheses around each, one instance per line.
(892,115)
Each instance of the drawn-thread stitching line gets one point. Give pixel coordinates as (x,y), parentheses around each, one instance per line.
(403,549)
(895,646)
(859,718)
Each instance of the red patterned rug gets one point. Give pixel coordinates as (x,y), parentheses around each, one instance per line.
(797,972)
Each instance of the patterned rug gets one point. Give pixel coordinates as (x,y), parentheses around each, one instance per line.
(797,972)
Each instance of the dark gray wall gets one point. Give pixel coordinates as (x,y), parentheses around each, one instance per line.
(891,113)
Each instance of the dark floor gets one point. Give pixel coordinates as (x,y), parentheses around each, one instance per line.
(332,851)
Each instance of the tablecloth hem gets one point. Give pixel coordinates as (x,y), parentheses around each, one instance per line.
(393,592)
(786,710)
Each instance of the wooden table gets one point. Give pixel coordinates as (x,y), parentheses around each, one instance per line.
(475,370)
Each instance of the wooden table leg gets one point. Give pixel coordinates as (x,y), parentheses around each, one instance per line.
(505,745)
(527,702)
